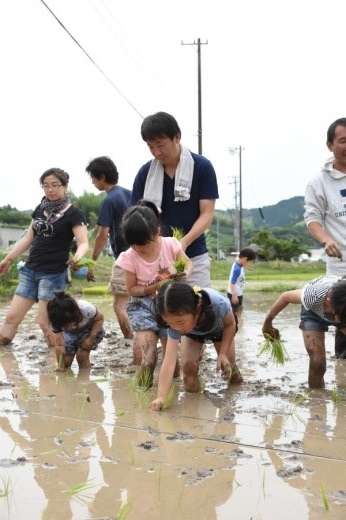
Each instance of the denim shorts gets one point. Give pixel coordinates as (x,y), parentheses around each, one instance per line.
(141,313)
(311,321)
(73,340)
(40,285)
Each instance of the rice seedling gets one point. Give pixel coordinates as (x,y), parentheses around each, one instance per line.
(300,398)
(324,497)
(236,484)
(28,390)
(180,265)
(132,456)
(336,397)
(159,485)
(169,397)
(123,511)
(82,399)
(275,349)
(84,262)
(140,388)
(78,491)
(6,486)
(181,494)
(178,233)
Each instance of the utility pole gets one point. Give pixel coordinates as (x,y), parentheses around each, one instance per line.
(239,149)
(199,88)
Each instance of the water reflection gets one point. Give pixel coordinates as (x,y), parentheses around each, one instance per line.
(240,453)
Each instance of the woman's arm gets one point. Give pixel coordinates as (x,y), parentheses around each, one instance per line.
(282,301)
(18,249)
(81,236)
(166,373)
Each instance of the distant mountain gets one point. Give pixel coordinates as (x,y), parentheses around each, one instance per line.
(284,213)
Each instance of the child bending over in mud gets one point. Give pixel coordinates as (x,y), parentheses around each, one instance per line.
(79,328)
(148,261)
(323,303)
(198,314)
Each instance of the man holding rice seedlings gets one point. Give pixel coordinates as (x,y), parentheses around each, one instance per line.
(183,185)
(323,304)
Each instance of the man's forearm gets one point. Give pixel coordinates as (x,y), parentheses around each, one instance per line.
(100,243)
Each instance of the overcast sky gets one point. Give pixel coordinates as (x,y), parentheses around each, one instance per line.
(272,82)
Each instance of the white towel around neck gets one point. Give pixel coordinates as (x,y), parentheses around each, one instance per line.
(182,179)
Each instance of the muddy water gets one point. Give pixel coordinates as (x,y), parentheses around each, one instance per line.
(267,450)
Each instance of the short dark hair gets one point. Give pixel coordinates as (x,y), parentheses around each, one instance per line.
(332,128)
(58,173)
(62,309)
(160,124)
(140,225)
(248,253)
(103,167)
(338,300)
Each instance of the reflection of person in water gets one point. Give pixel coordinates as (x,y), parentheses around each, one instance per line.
(56,223)
(323,303)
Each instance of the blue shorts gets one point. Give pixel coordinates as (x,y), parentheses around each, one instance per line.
(40,285)
(311,321)
(141,313)
(73,340)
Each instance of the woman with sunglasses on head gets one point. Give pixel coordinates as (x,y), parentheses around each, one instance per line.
(55,224)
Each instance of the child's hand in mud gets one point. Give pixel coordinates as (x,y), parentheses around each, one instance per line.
(226,371)
(222,363)
(156,405)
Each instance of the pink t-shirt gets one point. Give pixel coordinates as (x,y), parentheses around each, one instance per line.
(147,272)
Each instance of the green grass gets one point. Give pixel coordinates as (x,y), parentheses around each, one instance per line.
(270,271)
(275,273)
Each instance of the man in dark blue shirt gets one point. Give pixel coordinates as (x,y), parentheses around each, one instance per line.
(184,187)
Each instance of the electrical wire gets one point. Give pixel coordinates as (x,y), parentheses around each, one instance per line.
(139,61)
(91,59)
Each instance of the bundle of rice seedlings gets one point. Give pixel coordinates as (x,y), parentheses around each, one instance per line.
(180,265)
(177,233)
(275,349)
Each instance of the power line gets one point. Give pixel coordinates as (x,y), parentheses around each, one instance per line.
(92,61)
(137,58)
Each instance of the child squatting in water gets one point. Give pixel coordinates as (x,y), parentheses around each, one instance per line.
(79,329)
(197,314)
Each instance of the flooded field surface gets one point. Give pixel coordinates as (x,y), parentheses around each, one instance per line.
(86,446)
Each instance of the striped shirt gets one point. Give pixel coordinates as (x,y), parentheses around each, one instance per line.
(314,293)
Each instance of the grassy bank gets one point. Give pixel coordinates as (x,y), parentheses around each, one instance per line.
(262,276)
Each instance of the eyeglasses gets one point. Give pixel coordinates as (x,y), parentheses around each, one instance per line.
(54,186)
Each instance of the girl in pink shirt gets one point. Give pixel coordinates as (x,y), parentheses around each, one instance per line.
(147,262)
